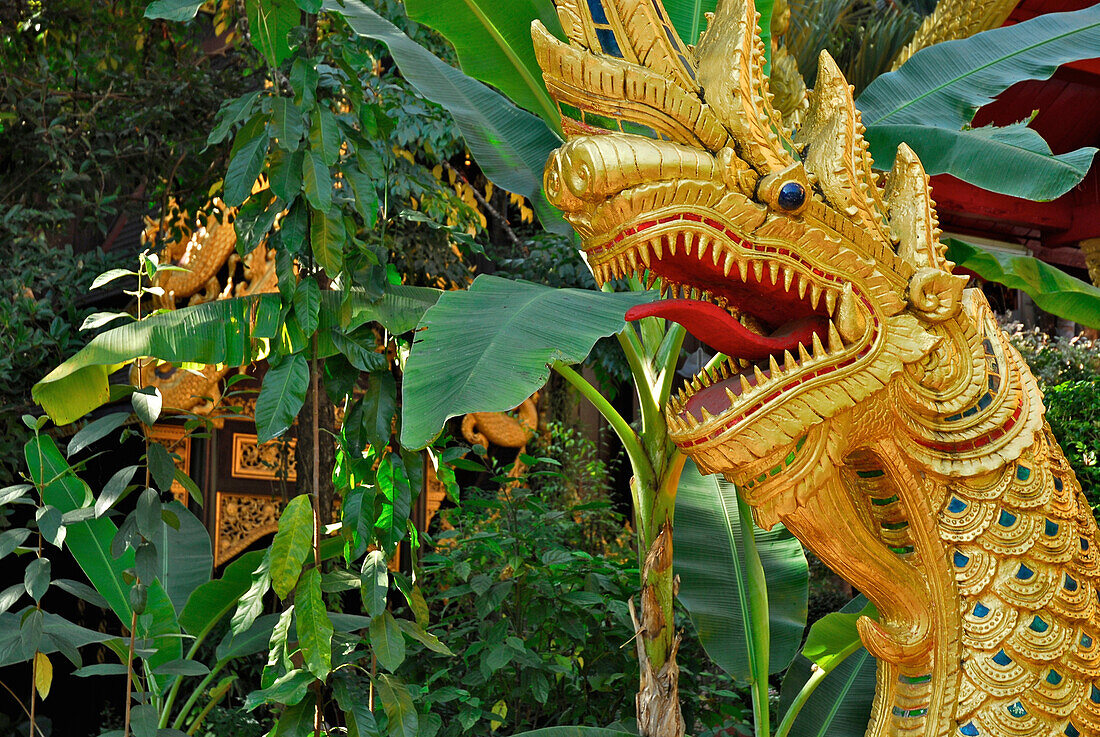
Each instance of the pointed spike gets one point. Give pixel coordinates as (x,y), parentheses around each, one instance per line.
(759,375)
(707,416)
(744,363)
(773,271)
(658,246)
(696,384)
(830,301)
(746,387)
(687,243)
(728,265)
(815,295)
(643,251)
(731,396)
(789,364)
(803,282)
(758,270)
(743,269)
(788,277)
(650,279)
(672,245)
(773,366)
(819,350)
(836,345)
(803,354)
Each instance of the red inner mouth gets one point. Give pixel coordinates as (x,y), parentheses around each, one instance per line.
(787,318)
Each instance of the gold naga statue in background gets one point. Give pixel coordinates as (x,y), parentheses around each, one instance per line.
(869,402)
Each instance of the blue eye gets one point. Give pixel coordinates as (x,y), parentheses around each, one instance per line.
(791,196)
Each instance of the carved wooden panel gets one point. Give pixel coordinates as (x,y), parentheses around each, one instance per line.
(267,461)
(240,520)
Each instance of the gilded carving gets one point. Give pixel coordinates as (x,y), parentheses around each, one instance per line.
(271,461)
(242,519)
(867,400)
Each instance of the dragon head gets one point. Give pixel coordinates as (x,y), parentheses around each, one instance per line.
(781,249)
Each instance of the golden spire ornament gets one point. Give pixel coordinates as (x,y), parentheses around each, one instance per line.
(870,403)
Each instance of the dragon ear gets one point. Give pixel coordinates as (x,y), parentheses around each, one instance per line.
(731,72)
(836,154)
(912,213)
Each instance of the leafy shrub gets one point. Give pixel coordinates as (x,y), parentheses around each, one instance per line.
(1056,359)
(1073,411)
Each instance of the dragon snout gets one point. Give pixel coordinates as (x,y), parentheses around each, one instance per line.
(591,169)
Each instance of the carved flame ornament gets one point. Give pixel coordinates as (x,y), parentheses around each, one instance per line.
(869,402)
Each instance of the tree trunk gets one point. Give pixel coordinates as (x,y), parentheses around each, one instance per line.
(303,452)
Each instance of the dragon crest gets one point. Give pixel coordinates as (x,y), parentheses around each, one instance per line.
(868,401)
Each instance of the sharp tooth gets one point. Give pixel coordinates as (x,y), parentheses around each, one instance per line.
(658,247)
(602,272)
(744,363)
(696,384)
(730,260)
(803,354)
(721,372)
(732,397)
(773,271)
(815,295)
(663,287)
(706,378)
(788,277)
(830,301)
(803,282)
(789,364)
(773,366)
(643,251)
(731,366)
(746,387)
(758,270)
(836,345)
(687,243)
(650,279)
(633,259)
(849,318)
(759,375)
(674,404)
(707,416)
(743,269)
(819,350)
(715,253)
(623,268)
(674,421)
(672,245)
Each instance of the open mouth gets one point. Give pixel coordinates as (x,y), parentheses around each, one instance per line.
(780,320)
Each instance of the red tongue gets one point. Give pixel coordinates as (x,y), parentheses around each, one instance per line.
(722,332)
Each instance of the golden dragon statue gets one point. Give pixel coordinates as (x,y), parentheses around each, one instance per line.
(870,402)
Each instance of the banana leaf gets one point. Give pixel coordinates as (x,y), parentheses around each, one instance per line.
(226,331)
(839,704)
(186,557)
(1053,290)
(689,17)
(488,348)
(493,43)
(709,558)
(511,145)
(930,101)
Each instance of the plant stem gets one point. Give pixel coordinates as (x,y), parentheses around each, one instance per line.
(34,682)
(643,381)
(815,680)
(639,461)
(218,695)
(129,673)
(194,697)
(316,426)
(759,617)
(668,354)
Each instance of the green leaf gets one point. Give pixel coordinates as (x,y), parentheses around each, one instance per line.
(269,21)
(173,10)
(288,689)
(187,558)
(375,582)
(36,579)
(316,182)
(709,557)
(840,702)
(297,721)
(249,152)
(387,642)
(493,44)
(359,348)
(284,174)
(393,482)
(291,545)
(933,97)
(398,704)
(510,145)
(324,135)
(231,112)
(379,406)
(835,636)
(314,626)
(366,194)
(281,397)
(50,525)
(147,403)
(81,591)
(327,235)
(307,302)
(182,667)
(212,600)
(161,466)
(575,732)
(95,430)
(488,348)
(255,219)
(287,123)
(147,514)
(251,603)
(1053,290)
(417,632)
